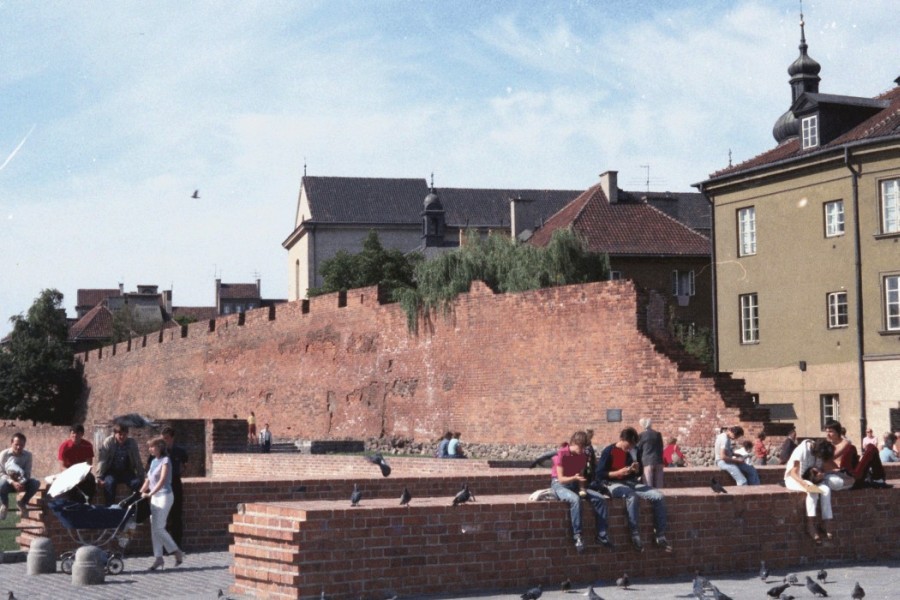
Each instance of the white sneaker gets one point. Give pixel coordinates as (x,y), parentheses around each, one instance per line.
(3,510)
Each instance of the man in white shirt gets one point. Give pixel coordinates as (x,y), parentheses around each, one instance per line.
(743,472)
(15,476)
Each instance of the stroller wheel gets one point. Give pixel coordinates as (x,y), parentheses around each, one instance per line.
(115,565)
(65,563)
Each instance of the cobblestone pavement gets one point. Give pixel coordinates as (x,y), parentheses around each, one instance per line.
(203,574)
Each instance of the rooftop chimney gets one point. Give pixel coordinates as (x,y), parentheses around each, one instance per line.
(610,186)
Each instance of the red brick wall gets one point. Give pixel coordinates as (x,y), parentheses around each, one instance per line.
(528,367)
(296,549)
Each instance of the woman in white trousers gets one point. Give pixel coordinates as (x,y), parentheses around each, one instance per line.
(803,473)
(158,488)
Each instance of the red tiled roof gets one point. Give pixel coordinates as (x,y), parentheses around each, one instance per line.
(625,228)
(886,123)
(238,291)
(93,297)
(96,324)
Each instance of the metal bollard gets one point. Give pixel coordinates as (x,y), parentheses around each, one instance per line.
(89,567)
(41,557)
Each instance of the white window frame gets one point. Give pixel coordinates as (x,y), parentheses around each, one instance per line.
(891,287)
(890,206)
(834,218)
(809,128)
(829,408)
(749,318)
(838,314)
(746,231)
(683,283)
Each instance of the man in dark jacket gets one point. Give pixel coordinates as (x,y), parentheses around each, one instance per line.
(120,462)
(621,475)
(787,447)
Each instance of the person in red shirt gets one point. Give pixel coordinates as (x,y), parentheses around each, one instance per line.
(621,475)
(567,478)
(76,450)
(672,456)
(760,450)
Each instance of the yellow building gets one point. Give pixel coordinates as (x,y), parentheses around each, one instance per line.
(807,261)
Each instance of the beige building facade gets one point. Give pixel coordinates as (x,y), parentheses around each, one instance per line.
(807,261)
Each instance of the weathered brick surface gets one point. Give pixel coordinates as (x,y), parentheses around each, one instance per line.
(295,549)
(494,368)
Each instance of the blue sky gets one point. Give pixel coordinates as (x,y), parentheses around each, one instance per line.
(125,108)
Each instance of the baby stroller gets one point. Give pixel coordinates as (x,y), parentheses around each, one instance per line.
(107,527)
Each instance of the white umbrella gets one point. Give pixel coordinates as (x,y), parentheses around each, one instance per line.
(68,479)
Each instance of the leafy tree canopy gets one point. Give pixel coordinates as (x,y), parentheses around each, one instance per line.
(505,266)
(38,378)
(372,266)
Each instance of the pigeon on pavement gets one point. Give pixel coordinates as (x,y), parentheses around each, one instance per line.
(719,595)
(592,595)
(776,591)
(463,496)
(405,497)
(533,594)
(623,581)
(822,575)
(356,496)
(763,571)
(815,588)
(717,487)
(566,586)
(785,596)
(858,592)
(791,578)
(378,459)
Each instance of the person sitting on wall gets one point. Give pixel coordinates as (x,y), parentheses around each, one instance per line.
(760,450)
(441,451)
(672,454)
(869,439)
(75,450)
(804,473)
(621,476)
(454,449)
(848,469)
(567,478)
(787,446)
(742,472)
(887,454)
(120,462)
(15,476)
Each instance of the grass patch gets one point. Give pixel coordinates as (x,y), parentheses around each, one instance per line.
(8,530)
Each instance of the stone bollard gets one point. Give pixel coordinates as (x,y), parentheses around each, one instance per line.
(41,557)
(89,567)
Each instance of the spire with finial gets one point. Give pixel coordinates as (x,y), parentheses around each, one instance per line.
(804,72)
(729,157)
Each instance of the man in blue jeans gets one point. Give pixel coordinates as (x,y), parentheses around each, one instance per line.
(568,482)
(15,476)
(621,475)
(743,472)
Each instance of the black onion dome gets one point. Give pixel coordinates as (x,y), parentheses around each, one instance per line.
(432,202)
(786,127)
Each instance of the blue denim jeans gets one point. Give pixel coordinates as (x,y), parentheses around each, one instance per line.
(742,473)
(110,482)
(569,493)
(631,491)
(31,488)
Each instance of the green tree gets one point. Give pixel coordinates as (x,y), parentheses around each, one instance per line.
(374,265)
(38,377)
(505,266)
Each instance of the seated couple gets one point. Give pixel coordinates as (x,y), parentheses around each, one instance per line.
(616,474)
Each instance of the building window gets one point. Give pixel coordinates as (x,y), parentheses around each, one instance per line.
(834,218)
(809,127)
(890,206)
(837,310)
(749,319)
(746,231)
(615,275)
(830,408)
(682,283)
(892,302)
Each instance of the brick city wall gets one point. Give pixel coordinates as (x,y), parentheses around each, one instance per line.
(298,549)
(346,366)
